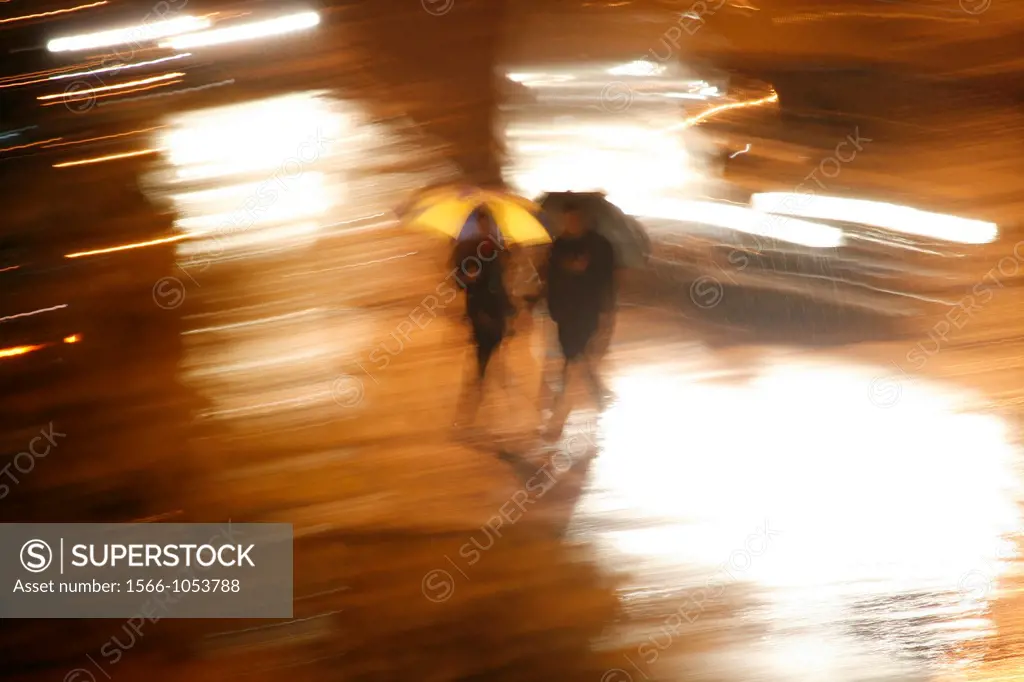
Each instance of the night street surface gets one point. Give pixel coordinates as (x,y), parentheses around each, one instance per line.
(780,490)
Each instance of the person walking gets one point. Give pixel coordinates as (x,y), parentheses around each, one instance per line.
(480,273)
(581,294)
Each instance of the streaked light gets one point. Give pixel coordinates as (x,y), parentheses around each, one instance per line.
(223,141)
(638,160)
(74,338)
(43,76)
(721,108)
(18,350)
(30,144)
(238,192)
(307,197)
(106,88)
(104,137)
(742,151)
(893,217)
(734,217)
(120,67)
(44,72)
(127,247)
(119,93)
(172,93)
(101,159)
(686,95)
(536,79)
(52,13)
(251,31)
(638,68)
(130,34)
(34,312)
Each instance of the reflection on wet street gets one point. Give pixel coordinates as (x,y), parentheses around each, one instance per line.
(771,511)
(800,475)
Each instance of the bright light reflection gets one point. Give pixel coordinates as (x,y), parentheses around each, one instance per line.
(887,517)
(532,80)
(306,198)
(878,214)
(138,34)
(734,217)
(630,160)
(258,136)
(637,68)
(259,173)
(251,31)
(866,500)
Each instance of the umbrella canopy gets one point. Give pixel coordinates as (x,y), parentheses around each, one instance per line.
(455,211)
(625,233)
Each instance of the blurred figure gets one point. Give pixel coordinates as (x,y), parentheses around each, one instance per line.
(478,259)
(581,301)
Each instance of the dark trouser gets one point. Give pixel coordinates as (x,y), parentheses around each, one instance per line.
(575,338)
(487,341)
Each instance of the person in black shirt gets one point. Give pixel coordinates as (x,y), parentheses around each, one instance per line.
(480,273)
(581,297)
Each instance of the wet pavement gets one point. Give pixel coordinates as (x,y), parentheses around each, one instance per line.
(778,491)
(741,510)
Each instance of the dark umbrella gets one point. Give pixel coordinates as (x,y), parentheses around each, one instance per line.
(628,238)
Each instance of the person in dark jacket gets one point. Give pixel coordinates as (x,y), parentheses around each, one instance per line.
(581,297)
(480,272)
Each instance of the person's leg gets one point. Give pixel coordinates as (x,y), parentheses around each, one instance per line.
(484,352)
(597,347)
(573,343)
(603,337)
(597,388)
(552,352)
(560,406)
(471,394)
(472,389)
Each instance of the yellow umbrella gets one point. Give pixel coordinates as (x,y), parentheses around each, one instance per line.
(452,212)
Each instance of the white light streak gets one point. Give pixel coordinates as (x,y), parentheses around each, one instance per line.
(733,217)
(251,31)
(893,217)
(119,67)
(129,34)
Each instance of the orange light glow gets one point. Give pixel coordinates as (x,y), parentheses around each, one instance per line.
(30,144)
(101,159)
(105,137)
(714,111)
(46,72)
(74,338)
(113,94)
(43,76)
(119,67)
(16,84)
(127,247)
(18,350)
(107,88)
(55,12)
(158,517)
